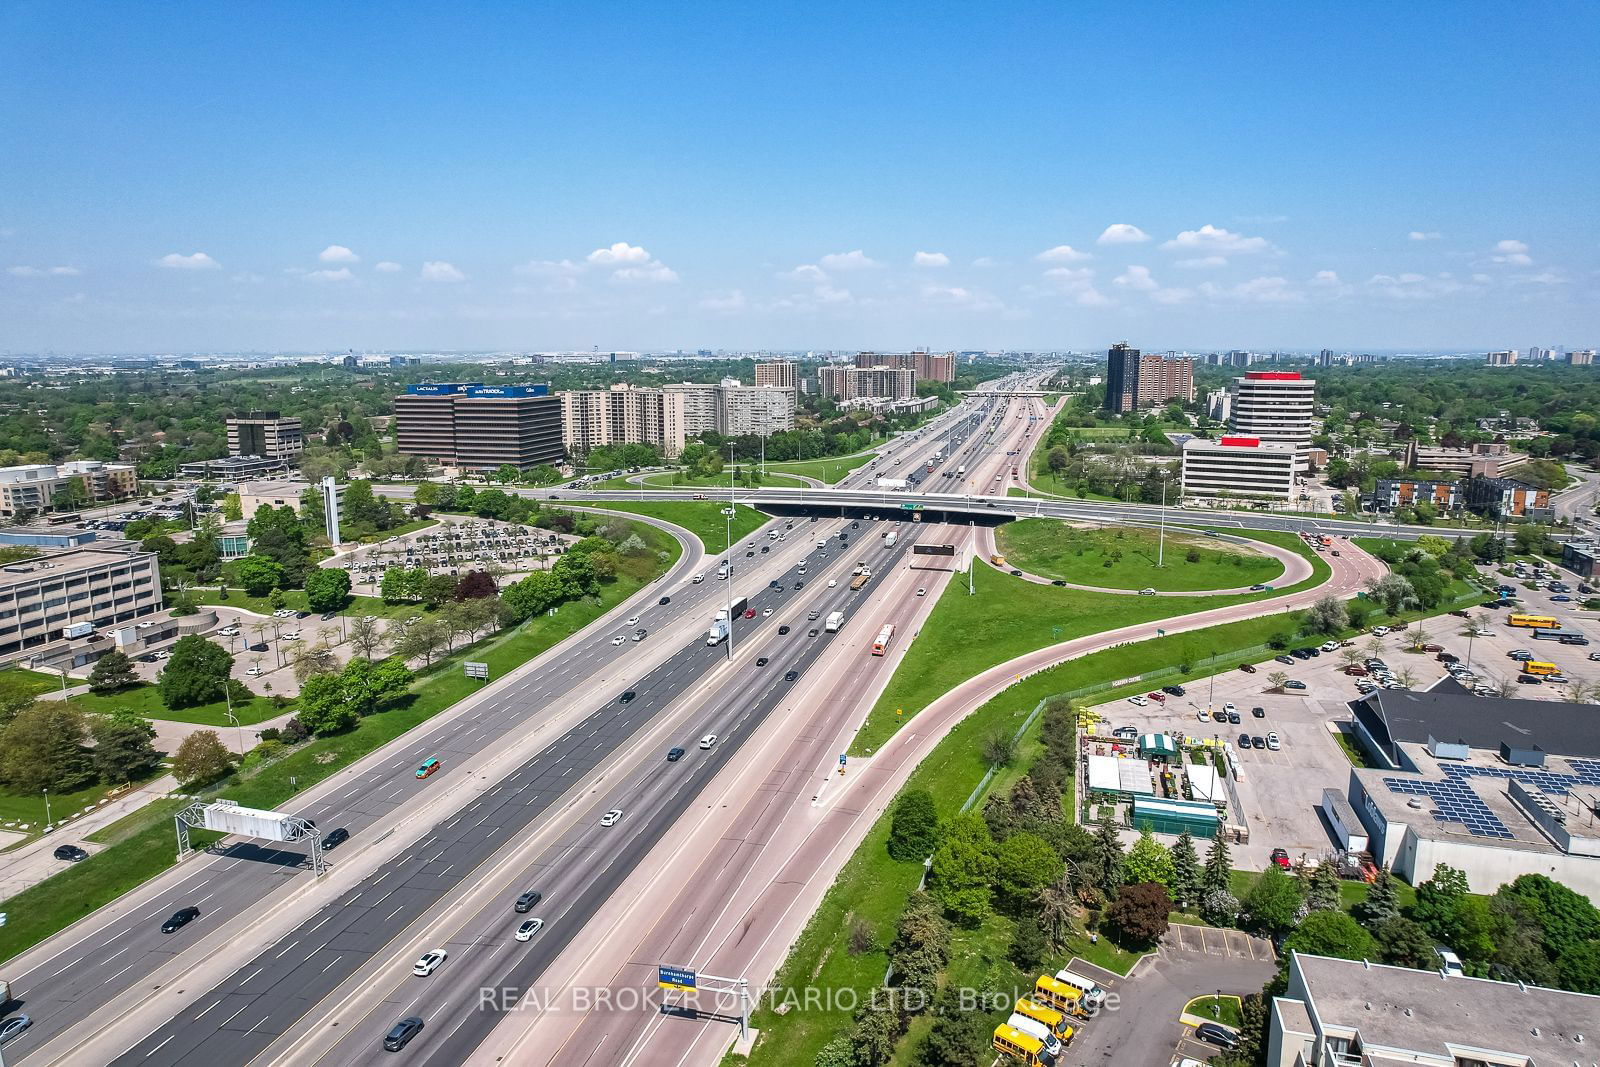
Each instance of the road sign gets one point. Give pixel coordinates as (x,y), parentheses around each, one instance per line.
(675,978)
(842,759)
(933,550)
(476,670)
(910,507)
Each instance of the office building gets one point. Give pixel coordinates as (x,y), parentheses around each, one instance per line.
(778,373)
(232,468)
(1494,787)
(471,426)
(850,383)
(1277,407)
(101,481)
(273,493)
(32,489)
(1354,1013)
(265,433)
(671,416)
(925,365)
(1507,358)
(1487,459)
(1238,467)
(41,597)
(1135,381)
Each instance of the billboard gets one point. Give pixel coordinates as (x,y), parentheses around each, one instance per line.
(933,550)
(229,818)
(675,978)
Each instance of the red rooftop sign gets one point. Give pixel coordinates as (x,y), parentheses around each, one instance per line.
(1242,442)
(1273,375)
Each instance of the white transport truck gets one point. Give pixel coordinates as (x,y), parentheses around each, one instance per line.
(834,621)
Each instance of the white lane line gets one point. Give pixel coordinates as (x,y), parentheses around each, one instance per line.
(159,1047)
(286,948)
(252,974)
(74,963)
(119,974)
(214,1003)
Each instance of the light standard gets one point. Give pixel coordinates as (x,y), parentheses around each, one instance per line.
(1161,544)
(48,821)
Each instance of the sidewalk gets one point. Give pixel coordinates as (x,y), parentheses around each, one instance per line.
(32,863)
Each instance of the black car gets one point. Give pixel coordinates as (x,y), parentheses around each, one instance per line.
(1058,581)
(1233,717)
(1529,679)
(855,526)
(1260,713)
(1248,668)
(791,676)
(180,919)
(1219,715)
(71,852)
(782,630)
(750,553)
(627,698)
(813,632)
(1299,653)
(761,661)
(1258,741)
(401,1033)
(530,900)
(335,838)
(1244,741)
(799,585)
(1216,1034)
(674,754)
(764,550)
(1173,690)
(664,600)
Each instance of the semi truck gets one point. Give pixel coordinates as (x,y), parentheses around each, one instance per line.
(718,632)
(737,607)
(894,485)
(860,580)
(834,621)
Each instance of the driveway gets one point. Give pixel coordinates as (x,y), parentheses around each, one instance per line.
(1140,1026)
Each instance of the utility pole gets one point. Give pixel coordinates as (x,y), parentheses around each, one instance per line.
(1161,545)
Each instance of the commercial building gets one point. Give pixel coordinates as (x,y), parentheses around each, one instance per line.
(1503,497)
(670,416)
(1135,381)
(849,383)
(1489,459)
(1353,1013)
(882,406)
(31,489)
(1277,407)
(778,373)
(273,493)
(1581,357)
(265,433)
(471,426)
(1238,467)
(925,365)
(41,597)
(1476,782)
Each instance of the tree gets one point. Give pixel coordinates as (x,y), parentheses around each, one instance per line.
(323,707)
(308,659)
(1327,616)
(913,826)
(921,946)
(1565,918)
(436,589)
(1435,905)
(959,1037)
(366,635)
(1148,861)
(1405,943)
(1108,854)
(424,639)
(963,870)
(1025,864)
(201,759)
(258,575)
(1330,933)
(1323,892)
(1139,913)
(1185,883)
(327,588)
(43,748)
(1382,903)
(1056,908)
(1351,657)
(1028,944)
(1578,968)
(878,1028)
(122,748)
(195,674)
(1219,865)
(1392,592)
(368,686)
(1278,679)
(1274,901)
(277,600)
(111,672)
(475,585)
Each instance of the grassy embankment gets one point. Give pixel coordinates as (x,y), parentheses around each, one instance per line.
(1125,557)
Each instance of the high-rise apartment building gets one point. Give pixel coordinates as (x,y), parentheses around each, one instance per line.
(925,365)
(473,426)
(620,415)
(1136,381)
(1581,357)
(670,416)
(266,434)
(1508,358)
(851,383)
(778,373)
(1276,407)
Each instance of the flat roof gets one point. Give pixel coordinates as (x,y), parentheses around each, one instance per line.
(67,562)
(1400,1009)
(272,487)
(1448,712)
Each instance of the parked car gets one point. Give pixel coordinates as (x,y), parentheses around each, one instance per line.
(1248,668)
(1260,713)
(1272,742)
(1175,690)
(1280,856)
(1138,701)
(1159,698)
(70,853)
(1217,1034)
(1294,683)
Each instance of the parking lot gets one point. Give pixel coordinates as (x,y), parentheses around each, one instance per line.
(456,546)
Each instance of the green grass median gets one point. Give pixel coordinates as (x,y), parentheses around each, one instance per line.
(1124,557)
(703,518)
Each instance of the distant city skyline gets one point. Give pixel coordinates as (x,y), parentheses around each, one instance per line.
(1028,177)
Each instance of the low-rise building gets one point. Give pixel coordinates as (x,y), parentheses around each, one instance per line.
(42,596)
(1238,467)
(32,489)
(1491,459)
(1506,497)
(1391,493)
(275,493)
(1353,1013)
(231,469)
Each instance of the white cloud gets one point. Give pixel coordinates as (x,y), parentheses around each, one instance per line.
(1514,253)
(619,254)
(958,296)
(930,259)
(829,295)
(388,266)
(1077,283)
(1203,262)
(1546,278)
(193,261)
(983,262)
(338,254)
(724,302)
(1062,254)
(1264,290)
(1122,233)
(341,275)
(44,272)
(806,272)
(436,270)
(1176,295)
(1325,278)
(1136,278)
(549,268)
(651,271)
(1424,235)
(1412,286)
(856,260)
(1214,239)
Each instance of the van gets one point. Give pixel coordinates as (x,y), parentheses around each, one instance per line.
(1449,962)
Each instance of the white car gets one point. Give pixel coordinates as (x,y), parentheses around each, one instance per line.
(708,740)
(634,621)
(767,614)
(1330,646)
(1202,716)
(1380,631)
(1272,742)
(292,635)
(619,639)
(528,928)
(1147,592)
(612,817)
(1138,701)
(254,672)
(921,591)
(429,962)
(698,579)
(832,582)
(1229,709)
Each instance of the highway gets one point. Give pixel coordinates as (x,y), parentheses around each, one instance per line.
(114,973)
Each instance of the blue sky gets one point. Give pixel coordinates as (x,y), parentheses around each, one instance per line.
(194,177)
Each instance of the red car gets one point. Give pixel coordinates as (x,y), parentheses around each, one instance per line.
(1248,668)
(1159,698)
(1280,856)
(750,613)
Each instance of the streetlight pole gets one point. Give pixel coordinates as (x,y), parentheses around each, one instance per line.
(48,821)
(1161,545)
(729,522)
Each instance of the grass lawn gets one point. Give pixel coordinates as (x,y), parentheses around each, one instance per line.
(31,809)
(1352,753)
(404,528)
(144,699)
(147,847)
(1123,557)
(772,480)
(824,470)
(1229,1011)
(703,518)
(296,599)
(19,684)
